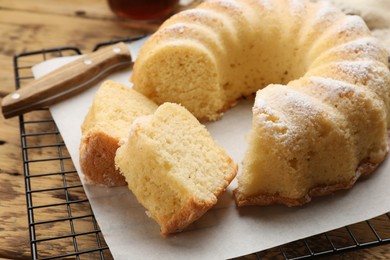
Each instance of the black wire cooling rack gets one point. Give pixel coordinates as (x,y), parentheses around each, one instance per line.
(61,222)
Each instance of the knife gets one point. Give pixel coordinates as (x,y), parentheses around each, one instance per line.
(71,78)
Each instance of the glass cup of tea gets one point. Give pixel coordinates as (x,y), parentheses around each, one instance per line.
(145,10)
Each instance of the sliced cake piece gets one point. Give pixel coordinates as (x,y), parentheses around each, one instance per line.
(174,167)
(109,120)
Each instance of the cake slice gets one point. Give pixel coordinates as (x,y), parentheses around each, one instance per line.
(174,167)
(109,119)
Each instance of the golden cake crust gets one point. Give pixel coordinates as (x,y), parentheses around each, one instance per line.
(364,169)
(97,153)
(193,210)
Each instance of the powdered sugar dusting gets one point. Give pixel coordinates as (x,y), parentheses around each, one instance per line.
(334,84)
(267,118)
(177,27)
(296,6)
(333,87)
(266,3)
(229,4)
(219,23)
(364,47)
(284,94)
(363,44)
(326,14)
(352,25)
(299,102)
(195,32)
(260,104)
(278,106)
(361,71)
(204,15)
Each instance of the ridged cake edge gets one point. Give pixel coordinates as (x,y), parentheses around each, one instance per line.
(364,169)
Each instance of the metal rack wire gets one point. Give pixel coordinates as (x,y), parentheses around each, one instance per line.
(62,214)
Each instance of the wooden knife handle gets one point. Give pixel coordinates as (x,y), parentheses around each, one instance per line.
(66,81)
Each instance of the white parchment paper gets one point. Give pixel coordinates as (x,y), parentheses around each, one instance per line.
(225,231)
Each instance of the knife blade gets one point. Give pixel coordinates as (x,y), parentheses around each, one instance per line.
(71,79)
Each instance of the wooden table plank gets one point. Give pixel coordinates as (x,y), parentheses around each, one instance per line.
(14,238)
(97,9)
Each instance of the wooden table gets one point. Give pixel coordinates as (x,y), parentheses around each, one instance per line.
(27,25)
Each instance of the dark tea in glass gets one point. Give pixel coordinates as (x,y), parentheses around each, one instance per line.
(143,9)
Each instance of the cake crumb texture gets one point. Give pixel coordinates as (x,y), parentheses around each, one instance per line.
(113,110)
(174,167)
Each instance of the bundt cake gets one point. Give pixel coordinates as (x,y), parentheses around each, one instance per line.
(174,167)
(113,110)
(323,120)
